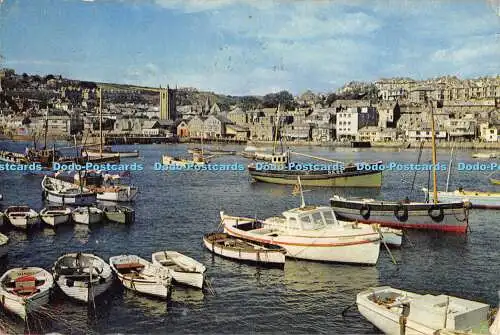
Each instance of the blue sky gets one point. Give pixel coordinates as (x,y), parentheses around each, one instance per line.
(250,47)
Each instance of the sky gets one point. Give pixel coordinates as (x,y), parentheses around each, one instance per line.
(250,47)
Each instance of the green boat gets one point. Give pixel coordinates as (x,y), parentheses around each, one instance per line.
(119,214)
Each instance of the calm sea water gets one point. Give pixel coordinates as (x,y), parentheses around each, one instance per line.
(175,209)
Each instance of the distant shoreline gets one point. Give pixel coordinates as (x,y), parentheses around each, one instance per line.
(394,145)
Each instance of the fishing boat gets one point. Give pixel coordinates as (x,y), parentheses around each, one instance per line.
(24,290)
(82,277)
(449,216)
(486,155)
(4,242)
(55,215)
(227,246)
(395,312)
(183,269)
(87,215)
(107,151)
(282,170)
(119,214)
(141,276)
(107,187)
(21,217)
(62,192)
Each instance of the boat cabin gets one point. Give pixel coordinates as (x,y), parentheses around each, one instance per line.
(306,218)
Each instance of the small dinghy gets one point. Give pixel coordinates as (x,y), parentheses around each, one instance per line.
(4,241)
(397,312)
(82,276)
(139,275)
(392,236)
(87,215)
(21,217)
(224,245)
(23,290)
(183,269)
(55,215)
(119,214)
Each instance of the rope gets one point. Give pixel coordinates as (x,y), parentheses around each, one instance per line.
(415,173)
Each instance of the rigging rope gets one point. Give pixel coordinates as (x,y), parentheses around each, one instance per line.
(415,173)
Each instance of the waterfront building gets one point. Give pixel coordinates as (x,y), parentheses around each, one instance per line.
(488,132)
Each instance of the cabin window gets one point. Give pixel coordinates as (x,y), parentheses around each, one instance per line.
(329,217)
(318,220)
(293,224)
(307,224)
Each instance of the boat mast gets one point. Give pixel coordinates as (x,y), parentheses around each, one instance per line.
(276,124)
(100,121)
(434,158)
(46,128)
(302,201)
(449,169)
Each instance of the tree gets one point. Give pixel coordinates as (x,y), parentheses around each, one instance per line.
(283,98)
(332,97)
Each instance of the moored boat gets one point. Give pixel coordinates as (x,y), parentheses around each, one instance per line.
(62,192)
(495,181)
(82,276)
(108,152)
(87,215)
(106,187)
(477,199)
(451,217)
(55,215)
(21,217)
(183,269)
(119,214)
(4,245)
(485,155)
(197,160)
(391,236)
(395,312)
(24,290)
(227,246)
(311,233)
(141,276)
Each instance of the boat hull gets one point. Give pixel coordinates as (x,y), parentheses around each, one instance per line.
(22,307)
(23,222)
(348,179)
(450,217)
(122,195)
(87,218)
(55,220)
(341,249)
(124,154)
(80,291)
(262,257)
(195,277)
(4,245)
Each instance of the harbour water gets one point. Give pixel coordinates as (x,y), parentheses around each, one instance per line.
(173,211)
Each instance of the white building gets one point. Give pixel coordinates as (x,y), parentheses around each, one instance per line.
(347,123)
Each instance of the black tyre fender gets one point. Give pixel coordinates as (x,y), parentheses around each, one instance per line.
(70,283)
(436,218)
(401,212)
(365,211)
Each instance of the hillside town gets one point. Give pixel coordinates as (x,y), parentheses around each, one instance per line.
(394,110)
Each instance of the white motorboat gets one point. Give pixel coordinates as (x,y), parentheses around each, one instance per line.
(87,215)
(82,276)
(62,192)
(141,276)
(311,233)
(396,312)
(4,245)
(55,215)
(183,269)
(227,246)
(21,217)
(486,155)
(23,290)
(477,199)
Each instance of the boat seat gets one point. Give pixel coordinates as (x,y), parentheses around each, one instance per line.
(125,266)
(25,290)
